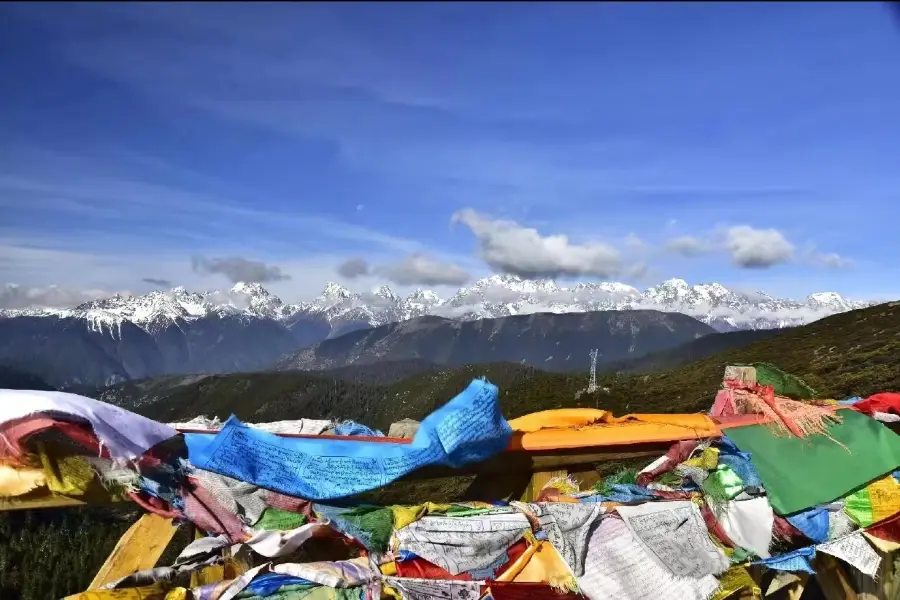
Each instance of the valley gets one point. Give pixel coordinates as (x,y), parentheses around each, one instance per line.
(853,353)
(498,318)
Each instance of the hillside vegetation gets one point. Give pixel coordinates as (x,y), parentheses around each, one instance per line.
(698,349)
(854,353)
(847,354)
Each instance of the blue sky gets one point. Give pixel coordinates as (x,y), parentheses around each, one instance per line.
(753,144)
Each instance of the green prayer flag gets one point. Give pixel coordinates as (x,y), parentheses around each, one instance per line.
(799,473)
(275,519)
(858,507)
(783,383)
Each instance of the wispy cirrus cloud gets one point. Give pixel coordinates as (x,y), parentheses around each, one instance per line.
(238,131)
(308,72)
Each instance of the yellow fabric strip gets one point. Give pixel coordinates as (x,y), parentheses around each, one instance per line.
(885,497)
(17,479)
(150,592)
(404,515)
(708,460)
(70,475)
(734,580)
(585,427)
(541,563)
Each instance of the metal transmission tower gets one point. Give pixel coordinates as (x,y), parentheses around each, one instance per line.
(592,385)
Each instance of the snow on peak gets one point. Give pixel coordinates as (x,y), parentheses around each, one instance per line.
(385,292)
(831,300)
(421,295)
(335,291)
(676,283)
(250,289)
(498,280)
(826,297)
(489,297)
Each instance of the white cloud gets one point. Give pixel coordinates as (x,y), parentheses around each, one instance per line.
(510,248)
(687,245)
(752,248)
(163,283)
(354,267)
(51,296)
(637,271)
(414,269)
(92,274)
(634,243)
(237,268)
(833,260)
(420,269)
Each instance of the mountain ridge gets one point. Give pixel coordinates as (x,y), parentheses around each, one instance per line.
(551,341)
(489,297)
(247,328)
(843,355)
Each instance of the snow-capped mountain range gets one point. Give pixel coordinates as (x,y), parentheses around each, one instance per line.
(490,297)
(246,328)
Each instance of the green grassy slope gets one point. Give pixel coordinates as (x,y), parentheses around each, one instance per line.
(852,353)
(855,353)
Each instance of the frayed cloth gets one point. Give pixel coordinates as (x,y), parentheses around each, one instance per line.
(787,416)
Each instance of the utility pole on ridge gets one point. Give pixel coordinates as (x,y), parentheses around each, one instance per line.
(592,384)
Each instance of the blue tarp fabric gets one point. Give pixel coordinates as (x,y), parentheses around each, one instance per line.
(797,560)
(812,523)
(469,428)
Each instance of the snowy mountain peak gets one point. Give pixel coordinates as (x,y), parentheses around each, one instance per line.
(828,300)
(609,287)
(385,292)
(421,295)
(516,284)
(335,291)
(250,289)
(498,280)
(675,283)
(489,297)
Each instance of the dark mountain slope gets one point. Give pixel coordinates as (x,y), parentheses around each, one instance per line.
(555,342)
(851,353)
(69,351)
(689,352)
(14,379)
